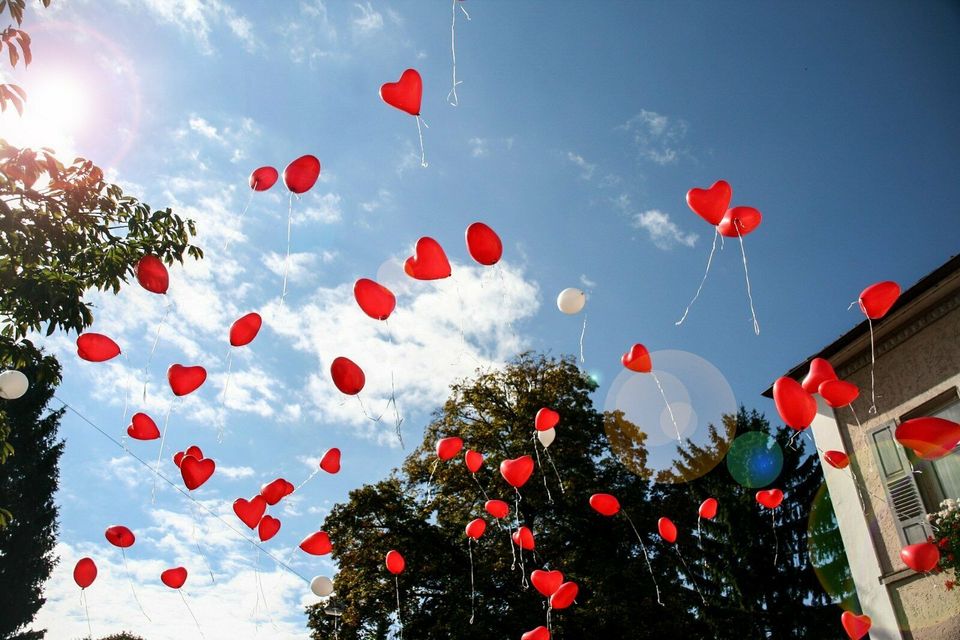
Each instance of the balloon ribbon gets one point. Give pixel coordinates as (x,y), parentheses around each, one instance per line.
(713,250)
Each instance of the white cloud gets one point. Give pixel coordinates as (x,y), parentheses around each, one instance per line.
(587,282)
(324,209)
(370,20)
(478,147)
(384,199)
(662,230)
(235,473)
(204,128)
(300,264)
(658,138)
(198,18)
(586,168)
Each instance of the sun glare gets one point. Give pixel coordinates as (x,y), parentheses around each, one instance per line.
(55,113)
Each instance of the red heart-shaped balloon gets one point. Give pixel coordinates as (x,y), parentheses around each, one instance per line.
(174,578)
(195,472)
(274,491)
(250,511)
(564,596)
(797,407)
(708,509)
(855,626)
(120,536)
(839,393)
(152,274)
(347,376)
(770,498)
(710,204)
(930,438)
(404,94)
(637,359)
(876,300)
(330,462)
(449,447)
(820,371)
(739,221)
(288,488)
(517,471)
(523,538)
(317,544)
(395,562)
(546,582)
(301,174)
(837,459)
(374,299)
(473,460)
(540,633)
(921,557)
(245,329)
(263,178)
(96,347)
(497,508)
(268,527)
(192,450)
(667,530)
(546,419)
(85,572)
(483,244)
(605,504)
(475,528)
(428,262)
(142,427)
(184,380)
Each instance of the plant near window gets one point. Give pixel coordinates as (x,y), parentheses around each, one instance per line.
(946,527)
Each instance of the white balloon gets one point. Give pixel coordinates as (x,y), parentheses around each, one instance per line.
(13,384)
(321,586)
(547,437)
(571,300)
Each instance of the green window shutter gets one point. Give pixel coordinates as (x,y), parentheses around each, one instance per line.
(903,496)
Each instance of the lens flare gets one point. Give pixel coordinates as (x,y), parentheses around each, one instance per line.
(755,459)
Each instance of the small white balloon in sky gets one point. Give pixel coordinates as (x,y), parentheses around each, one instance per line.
(571,300)
(321,586)
(13,384)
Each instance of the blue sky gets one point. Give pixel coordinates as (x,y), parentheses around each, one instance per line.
(580,128)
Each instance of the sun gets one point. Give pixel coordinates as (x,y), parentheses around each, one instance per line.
(55,114)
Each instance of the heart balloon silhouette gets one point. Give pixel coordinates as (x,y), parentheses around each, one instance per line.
(483,244)
(497,508)
(274,491)
(301,174)
(347,376)
(546,582)
(797,407)
(540,633)
(250,511)
(855,626)
(564,596)
(667,530)
(192,450)
(930,438)
(739,221)
(770,498)
(837,459)
(523,538)
(473,460)
(330,462)
(838,393)
(708,509)
(268,527)
(428,262)
(174,578)
(152,274)
(517,471)
(119,536)
(184,380)
(546,419)
(195,472)
(142,427)
(710,204)
(876,300)
(475,528)
(85,572)
(605,504)
(395,562)
(245,329)
(96,347)
(820,371)
(263,178)
(317,544)
(449,447)
(921,557)
(637,359)
(374,299)
(406,93)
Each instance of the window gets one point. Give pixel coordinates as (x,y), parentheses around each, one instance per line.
(903,495)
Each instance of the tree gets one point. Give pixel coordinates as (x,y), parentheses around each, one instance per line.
(421,511)
(17,43)
(28,482)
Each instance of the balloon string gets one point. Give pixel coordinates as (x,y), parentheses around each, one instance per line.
(700,542)
(550,460)
(523,570)
(776,541)
(483,491)
(543,476)
(196,541)
(309,478)
(263,596)
(397,418)
(423,156)
(713,250)
(473,593)
(746,275)
(549,622)
(583,332)
(453,50)
(126,569)
(187,605)
(513,552)
(646,556)
(396,582)
(221,422)
(689,573)
(153,350)
(253,190)
(673,418)
(126,400)
(286,260)
(873,360)
(83,599)
(163,438)
(364,410)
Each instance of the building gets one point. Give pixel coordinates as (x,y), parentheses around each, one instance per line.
(917,373)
